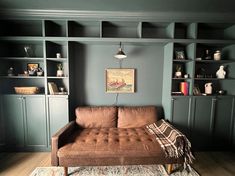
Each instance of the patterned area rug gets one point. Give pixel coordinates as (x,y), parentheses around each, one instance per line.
(135,170)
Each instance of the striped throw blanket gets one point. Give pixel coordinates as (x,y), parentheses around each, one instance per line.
(173,142)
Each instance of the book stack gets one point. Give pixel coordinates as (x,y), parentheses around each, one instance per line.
(53,89)
(184,87)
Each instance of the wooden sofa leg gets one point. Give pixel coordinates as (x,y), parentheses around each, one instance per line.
(169,168)
(65,171)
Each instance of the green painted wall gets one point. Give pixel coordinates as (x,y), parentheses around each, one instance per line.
(92,60)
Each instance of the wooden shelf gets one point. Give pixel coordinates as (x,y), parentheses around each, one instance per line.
(57,59)
(214,61)
(57,77)
(181,78)
(23,77)
(22,58)
(213,79)
(185,60)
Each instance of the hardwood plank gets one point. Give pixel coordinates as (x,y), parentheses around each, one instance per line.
(207,163)
(12,164)
(215,163)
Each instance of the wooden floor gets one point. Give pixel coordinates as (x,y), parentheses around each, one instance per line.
(207,163)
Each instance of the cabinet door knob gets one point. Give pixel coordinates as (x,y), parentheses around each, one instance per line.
(173,99)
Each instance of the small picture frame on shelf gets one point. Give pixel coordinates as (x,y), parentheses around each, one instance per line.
(32,66)
(180,55)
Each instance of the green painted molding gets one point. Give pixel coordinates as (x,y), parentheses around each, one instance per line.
(117,15)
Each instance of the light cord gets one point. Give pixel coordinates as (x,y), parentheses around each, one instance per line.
(117,94)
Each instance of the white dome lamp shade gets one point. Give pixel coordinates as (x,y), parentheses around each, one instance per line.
(120,54)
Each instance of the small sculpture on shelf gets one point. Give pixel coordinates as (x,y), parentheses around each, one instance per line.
(178,72)
(60,71)
(207,55)
(221,73)
(58,55)
(40,71)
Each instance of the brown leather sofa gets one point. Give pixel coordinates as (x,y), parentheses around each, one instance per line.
(108,136)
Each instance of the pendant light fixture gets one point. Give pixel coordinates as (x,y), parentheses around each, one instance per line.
(120,54)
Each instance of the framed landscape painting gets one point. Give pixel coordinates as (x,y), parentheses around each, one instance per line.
(120,80)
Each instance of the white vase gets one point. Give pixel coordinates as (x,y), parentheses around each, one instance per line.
(60,73)
(208,88)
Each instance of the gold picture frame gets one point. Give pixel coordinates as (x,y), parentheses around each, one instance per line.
(120,80)
(32,66)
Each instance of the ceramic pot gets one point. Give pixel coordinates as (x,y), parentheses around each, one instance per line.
(60,73)
(178,74)
(208,88)
(217,55)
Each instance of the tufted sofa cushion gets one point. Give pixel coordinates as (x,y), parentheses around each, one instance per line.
(96,117)
(132,117)
(111,142)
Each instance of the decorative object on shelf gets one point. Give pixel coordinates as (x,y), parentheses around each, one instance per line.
(60,71)
(40,71)
(58,55)
(207,55)
(120,54)
(184,87)
(186,76)
(10,71)
(26,90)
(120,80)
(28,51)
(177,93)
(180,55)
(196,90)
(221,73)
(32,68)
(217,55)
(178,72)
(208,88)
(62,89)
(221,92)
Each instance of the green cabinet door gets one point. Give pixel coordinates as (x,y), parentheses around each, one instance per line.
(202,125)
(223,120)
(180,116)
(13,114)
(58,113)
(35,121)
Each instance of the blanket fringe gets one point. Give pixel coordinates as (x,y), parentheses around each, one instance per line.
(173,142)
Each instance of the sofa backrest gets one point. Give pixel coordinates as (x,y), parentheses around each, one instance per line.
(96,117)
(132,117)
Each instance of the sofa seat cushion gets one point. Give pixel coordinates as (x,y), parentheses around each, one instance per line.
(111,142)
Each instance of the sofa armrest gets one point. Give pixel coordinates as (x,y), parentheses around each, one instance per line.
(59,139)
